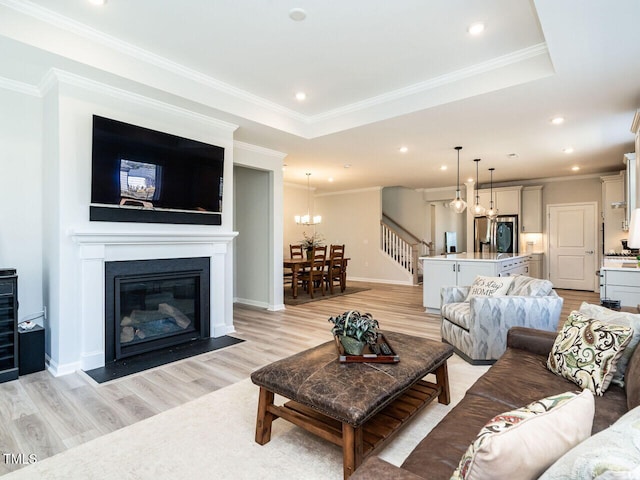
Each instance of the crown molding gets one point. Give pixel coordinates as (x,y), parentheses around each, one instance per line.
(257,149)
(298,186)
(436,82)
(20,87)
(347,192)
(277,116)
(67,24)
(56,76)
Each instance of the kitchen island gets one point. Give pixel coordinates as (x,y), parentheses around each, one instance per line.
(462,268)
(621,281)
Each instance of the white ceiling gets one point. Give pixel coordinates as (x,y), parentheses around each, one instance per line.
(378,75)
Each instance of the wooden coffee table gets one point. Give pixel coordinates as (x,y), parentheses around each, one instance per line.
(358,406)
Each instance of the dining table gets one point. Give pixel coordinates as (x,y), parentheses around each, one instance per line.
(296,265)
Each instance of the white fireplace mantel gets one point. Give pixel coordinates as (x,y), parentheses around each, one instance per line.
(95,247)
(93,237)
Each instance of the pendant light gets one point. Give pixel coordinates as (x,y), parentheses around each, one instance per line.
(307,219)
(492,213)
(457,203)
(478,209)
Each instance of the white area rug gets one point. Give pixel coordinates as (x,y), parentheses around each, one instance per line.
(213,437)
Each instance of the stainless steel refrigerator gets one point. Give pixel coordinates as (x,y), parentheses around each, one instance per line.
(496,236)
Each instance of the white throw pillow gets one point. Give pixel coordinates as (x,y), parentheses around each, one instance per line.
(523,443)
(489,286)
(612,453)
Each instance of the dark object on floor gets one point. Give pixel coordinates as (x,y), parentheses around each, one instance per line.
(30,350)
(145,361)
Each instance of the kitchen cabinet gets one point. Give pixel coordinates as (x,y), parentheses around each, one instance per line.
(621,284)
(461,269)
(536,268)
(531,221)
(505,199)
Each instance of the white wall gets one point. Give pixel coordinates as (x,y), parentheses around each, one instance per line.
(295,200)
(445,219)
(407,207)
(353,218)
(258,219)
(21,184)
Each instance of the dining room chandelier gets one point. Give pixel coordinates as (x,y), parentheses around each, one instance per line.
(458,204)
(492,213)
(478,209)
(308,219)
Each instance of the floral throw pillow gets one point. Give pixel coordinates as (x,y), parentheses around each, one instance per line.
(489,286)
(619,318)
(586,351)
(523,443)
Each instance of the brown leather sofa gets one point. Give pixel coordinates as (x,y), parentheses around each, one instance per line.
(518,378)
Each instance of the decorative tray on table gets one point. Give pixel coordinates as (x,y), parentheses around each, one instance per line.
(381,352)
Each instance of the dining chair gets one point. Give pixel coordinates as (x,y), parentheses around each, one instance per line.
(336,269)
(295,251)
(314,277)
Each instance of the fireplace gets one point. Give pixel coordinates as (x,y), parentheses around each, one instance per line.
(153,304)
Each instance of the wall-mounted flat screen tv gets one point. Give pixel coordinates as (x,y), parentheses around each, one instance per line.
(146,176)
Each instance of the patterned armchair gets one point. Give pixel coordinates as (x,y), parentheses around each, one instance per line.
(477,328)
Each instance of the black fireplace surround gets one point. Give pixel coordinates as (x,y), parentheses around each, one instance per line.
(153,304)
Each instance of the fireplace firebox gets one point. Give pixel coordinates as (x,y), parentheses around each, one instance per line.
(153,304)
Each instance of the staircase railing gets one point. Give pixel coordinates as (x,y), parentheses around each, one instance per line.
(403,247)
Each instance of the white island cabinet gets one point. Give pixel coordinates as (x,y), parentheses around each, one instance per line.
(621,283)
(461,269)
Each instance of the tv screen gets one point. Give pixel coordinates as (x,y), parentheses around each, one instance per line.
(142,175)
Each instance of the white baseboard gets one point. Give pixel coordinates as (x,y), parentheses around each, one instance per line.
(221,330)
(253,303)
(58,370)
(380,280)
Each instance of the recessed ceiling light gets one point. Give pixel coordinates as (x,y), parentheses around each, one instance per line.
(300,96)
(443,168)
(347,165)
(403,149)
(297,14)
(567,150)
(469,179)
(98,2)
(575,168)
(512,155)
(330,179)
(557,120)
(476,28)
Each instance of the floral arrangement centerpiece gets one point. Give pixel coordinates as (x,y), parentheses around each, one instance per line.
(310,241)
(355,330)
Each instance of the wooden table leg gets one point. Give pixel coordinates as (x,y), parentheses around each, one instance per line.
(294,280)
(442,380)
(265,418)
(352,449)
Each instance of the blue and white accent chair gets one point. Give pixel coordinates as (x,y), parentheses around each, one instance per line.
(477,326)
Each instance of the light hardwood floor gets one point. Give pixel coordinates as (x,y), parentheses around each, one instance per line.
(44,415)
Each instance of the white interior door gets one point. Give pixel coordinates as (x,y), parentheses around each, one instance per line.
(572,245)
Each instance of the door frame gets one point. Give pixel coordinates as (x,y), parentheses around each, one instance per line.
(596,244)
